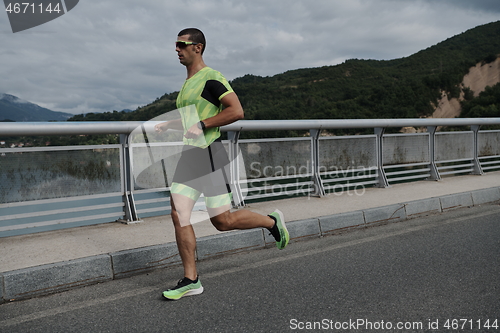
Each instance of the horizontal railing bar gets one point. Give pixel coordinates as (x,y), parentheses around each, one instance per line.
(372,182)
(55,222)
(405,165)
(198,204)
(425,175)
(488,157)
(491,167)
(395,173)
(274,186)
(149,201)
(68,128)
(126,127)
(152,190)
(60,211)
(346,137)
(56,148)
(266,140)
(256,180)
(455,133)
(348,178)
(490,131)
(346,171)
(260,188)
(490,163)
(156,144)
(347,185)
(406,134)
(59,200)
(427,168)
(272,125)
(453,161)
(455,166)
(154,210)
(455,172)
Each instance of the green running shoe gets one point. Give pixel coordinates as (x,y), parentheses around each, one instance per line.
(279,231)
(185,287)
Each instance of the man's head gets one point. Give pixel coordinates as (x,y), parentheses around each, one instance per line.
(194,35)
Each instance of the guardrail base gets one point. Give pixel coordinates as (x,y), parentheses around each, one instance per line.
(129,222)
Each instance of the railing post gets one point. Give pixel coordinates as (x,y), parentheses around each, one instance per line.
(478,170)
(382,178)
(127,181)
(234,168)
(432,153)
(316,177)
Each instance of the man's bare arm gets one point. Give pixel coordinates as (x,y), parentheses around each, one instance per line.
(232,112)
(171,124)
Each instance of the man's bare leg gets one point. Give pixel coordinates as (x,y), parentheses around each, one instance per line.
(184,233)
(224,220)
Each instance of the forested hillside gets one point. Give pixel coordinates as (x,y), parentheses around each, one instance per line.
(371,89)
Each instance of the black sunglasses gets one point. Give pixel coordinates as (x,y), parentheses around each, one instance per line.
(182,44)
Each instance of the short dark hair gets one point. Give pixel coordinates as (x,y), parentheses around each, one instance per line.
(195,35)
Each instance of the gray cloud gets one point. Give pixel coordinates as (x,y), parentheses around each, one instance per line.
(488,6)
(112,55)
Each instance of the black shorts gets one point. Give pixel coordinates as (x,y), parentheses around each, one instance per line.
(205,170)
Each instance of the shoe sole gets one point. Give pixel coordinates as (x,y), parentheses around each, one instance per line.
(191,292)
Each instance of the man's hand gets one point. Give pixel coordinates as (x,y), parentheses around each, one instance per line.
(193,132)
(161,127)
(175,124)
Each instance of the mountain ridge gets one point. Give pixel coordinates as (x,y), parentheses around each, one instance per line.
(13,108)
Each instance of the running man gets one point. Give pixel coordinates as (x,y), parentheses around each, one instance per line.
(201,166)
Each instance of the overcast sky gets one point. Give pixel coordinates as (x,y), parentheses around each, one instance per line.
(120,54)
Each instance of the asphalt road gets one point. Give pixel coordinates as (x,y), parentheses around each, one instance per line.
(433,274)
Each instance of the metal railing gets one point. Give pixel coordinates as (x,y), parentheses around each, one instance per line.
(47,188)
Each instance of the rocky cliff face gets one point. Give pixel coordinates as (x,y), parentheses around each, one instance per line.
(478,78)
(481,76)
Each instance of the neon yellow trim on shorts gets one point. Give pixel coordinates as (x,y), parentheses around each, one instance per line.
(211,202)
(219,200)
(186,191)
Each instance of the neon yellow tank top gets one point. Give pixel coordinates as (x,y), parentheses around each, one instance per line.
(199,99)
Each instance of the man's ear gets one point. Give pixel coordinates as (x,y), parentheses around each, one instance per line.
(199,48)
